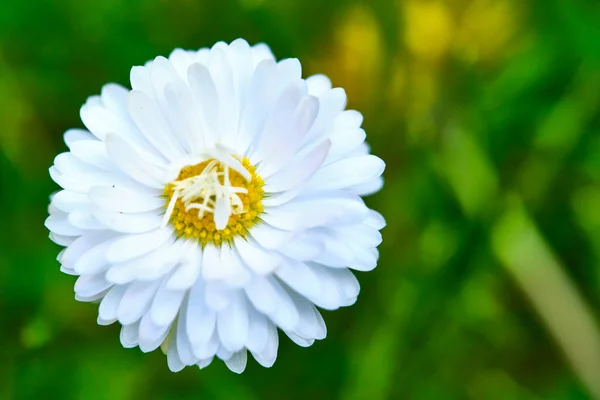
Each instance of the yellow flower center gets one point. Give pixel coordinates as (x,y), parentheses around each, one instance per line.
(215,200)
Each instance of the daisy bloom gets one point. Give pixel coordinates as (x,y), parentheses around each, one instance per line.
(216,203)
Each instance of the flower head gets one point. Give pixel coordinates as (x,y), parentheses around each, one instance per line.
(215,203)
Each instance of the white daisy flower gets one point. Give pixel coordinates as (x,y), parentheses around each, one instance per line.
(215,203)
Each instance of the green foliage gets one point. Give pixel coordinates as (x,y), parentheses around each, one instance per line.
(487,115)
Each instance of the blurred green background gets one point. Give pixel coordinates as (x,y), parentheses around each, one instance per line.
(487,114)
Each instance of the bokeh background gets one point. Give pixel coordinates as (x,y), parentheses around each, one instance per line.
(487,114)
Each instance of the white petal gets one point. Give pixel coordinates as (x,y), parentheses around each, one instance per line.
(151,335)
(299,340)
(296,126)
(347,172)
(110,303)
(258,331)
(367,188)
(298,171)
(184,347)
(261,52)
(343,142)
(114,98)
(140,80)
(318,84)
(347,282)
(129,247)
(166,305)
(262,293)
(185,118)
(130,335)
(173,360)
(62,240)
(288,70)
(218,295)
(362,235)
(162,73)
(258,104)
(348,119)
(128,223)
(280,120)
(181,60)
(170,348)
(207,349)
(186,274)
(338,252)
(136,301)
(342,250)
(133,163)
(304,247)
(201,320)
(94,153)
(116,198)
(232,323)
(211,263)
(277,199)
(228,105)
(340,287)
(331,104)
(105,322)
(91,285)
(68,271)
(201,55)
(311,326)
(61,226)
(286,315)
(175,100)
(84,219)
(81,245)
(82,179)
(267,357)
(236,274)
(68,201)
(257,258)
(316,210)
(148,267)
(239,53)
(205,93)
(73,135)
(223,353)
(204,363)
(375,220)
(151,122)
(365,259)
(237,362)
(265,90)
(93,260)
(101,121)
(301,278)
(67,163)
(269,237)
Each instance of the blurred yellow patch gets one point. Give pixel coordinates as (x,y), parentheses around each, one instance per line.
(485,29)
(355,57)
(428,29)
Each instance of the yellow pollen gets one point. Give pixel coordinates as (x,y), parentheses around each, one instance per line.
(210,187)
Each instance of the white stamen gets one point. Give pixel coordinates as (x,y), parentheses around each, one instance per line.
(170,208)
(220,199)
